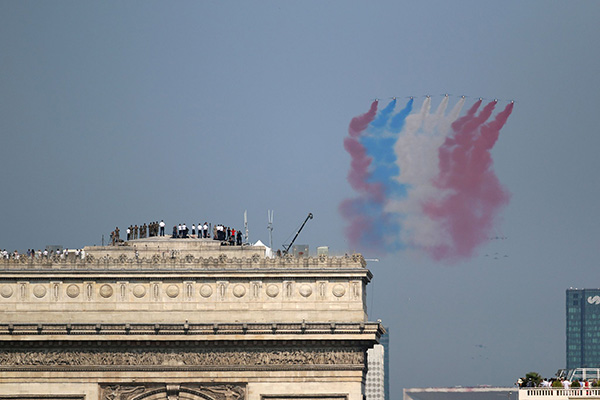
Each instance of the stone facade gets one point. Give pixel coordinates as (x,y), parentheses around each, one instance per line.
(184,319)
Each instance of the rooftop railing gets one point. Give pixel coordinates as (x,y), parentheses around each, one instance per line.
(561,392)
(178,262)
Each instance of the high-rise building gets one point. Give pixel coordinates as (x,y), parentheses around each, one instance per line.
(583,328)
(374,386)
(385,342)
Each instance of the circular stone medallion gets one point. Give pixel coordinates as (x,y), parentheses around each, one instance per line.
(272,290)
(206,291)
(172,291)
(139,291)
(6,291)
(338,290)
(106,291)
(239,290)
(39,291)
(305,290)
(73,291)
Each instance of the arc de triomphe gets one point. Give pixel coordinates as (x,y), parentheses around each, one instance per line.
(163,318)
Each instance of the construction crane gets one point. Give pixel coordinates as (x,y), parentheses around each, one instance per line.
(287,248)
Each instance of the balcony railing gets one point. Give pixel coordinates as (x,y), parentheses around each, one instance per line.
(560,392)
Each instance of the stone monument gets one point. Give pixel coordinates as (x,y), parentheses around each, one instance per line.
(162,318)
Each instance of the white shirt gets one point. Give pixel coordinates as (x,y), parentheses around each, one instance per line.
(161,224)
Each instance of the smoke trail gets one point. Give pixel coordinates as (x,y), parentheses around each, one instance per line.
(424,179)
(472,195)
(382,118)
(360,123)
(417,150)
(397,122)
(379,144)
(361,212)
(359,165)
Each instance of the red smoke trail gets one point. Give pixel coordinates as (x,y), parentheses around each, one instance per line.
(360,123)
(472,195)
(356,211)
(358,174)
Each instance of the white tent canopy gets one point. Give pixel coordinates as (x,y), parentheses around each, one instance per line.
(268,252)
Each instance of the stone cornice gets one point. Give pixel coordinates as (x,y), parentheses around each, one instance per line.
(181,263)
(185,331)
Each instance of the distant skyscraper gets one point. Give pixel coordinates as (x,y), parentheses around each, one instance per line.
(385,342)
(374,387)
(583,328)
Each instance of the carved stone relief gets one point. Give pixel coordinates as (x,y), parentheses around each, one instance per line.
(39,291)
(322,287)
(338,290)
(288,287)
(206,291)
(23,287)
(172,291)
(60,291)
(305,290)
(272,290)
(238,357)
(6,291)
(89,290)
(189,290)
(239,291)
(139,291)
(221,289)
(106,291)
(172,392)
(355,289)
(256,286)
(72,291)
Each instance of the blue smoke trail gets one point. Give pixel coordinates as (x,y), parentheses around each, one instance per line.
(398,120)
(379,140)
(382,118)
(379,144)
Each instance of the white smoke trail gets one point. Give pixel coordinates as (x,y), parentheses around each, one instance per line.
(417,157)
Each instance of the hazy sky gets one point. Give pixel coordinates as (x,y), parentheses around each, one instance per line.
(118,113)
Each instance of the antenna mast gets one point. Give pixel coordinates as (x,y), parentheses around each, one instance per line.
(246,225)
(270,227)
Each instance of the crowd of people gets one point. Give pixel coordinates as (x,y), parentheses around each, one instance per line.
(41,254)
(557,383)
(225,234)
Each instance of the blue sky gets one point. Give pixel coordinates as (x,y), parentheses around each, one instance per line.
(117,113)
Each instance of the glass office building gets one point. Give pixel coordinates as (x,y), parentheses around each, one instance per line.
(385,342)
(583,328)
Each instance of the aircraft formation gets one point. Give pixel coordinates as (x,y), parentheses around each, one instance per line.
(462,96)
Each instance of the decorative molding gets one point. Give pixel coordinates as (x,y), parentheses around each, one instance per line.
(206,291)
(305,290)
(338,290)
(272,290)
(173,391)
(190,329)
(153,357)
(325,396)
(188,261)
(42,397)
(106,291)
